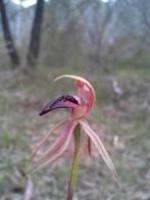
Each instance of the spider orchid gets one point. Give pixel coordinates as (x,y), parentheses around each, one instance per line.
(75,127)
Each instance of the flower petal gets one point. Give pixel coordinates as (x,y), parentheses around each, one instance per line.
(46,138)
(86,90)
(58,148)
(89,146)
(100,147)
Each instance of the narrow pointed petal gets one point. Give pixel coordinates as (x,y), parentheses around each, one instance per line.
(46,138)
(100,147)
(65,101)
(89,146)
(46,158)
(57,144)
(86,90)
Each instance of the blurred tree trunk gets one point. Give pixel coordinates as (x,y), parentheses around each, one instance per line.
(102,17)
(35,38)
(12,52)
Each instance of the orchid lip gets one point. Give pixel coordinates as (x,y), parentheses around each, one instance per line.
(43,112)
(65,101)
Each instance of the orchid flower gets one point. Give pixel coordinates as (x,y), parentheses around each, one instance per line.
(74,127)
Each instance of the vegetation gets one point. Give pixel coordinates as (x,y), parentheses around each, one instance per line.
(108,44)
(125,121)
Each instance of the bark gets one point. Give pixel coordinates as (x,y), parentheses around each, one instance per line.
(12,51)
(35,38)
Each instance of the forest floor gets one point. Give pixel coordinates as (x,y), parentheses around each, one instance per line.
(125,119)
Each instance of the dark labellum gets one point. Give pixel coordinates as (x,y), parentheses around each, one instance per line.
(58,103)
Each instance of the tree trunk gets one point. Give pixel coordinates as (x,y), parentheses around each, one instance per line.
(35,38)
(12,52)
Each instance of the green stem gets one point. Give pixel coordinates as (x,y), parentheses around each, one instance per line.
(75,164)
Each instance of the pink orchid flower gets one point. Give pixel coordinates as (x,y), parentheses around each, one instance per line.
(76,127)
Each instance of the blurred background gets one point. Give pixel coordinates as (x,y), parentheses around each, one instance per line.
(105,41)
